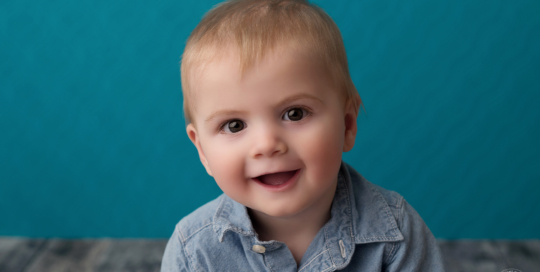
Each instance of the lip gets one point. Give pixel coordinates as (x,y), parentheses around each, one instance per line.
(280,187)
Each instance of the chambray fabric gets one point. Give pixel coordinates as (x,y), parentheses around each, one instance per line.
(371,229)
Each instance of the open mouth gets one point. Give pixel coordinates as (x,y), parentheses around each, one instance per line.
(276,178)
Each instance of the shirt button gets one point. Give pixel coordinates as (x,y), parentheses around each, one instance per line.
(258,249)
(342,248)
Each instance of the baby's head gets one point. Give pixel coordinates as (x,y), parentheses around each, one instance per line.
(269,103)
(254,28)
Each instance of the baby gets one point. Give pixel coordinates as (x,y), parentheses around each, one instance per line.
(270,106)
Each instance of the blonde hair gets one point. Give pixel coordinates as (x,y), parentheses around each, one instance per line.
(254,27)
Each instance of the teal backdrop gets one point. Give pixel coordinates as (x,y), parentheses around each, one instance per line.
(92,140)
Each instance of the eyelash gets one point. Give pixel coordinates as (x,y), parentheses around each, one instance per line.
(303,108)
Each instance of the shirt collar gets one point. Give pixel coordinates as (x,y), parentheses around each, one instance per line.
(372,218)
(359,215)
(232,216)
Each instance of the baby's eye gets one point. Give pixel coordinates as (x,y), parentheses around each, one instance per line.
(295,114)
(233,126)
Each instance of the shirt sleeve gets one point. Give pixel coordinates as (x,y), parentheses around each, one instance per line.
(418,251)
(174,258)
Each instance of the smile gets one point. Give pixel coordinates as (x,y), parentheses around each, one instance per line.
(278,181)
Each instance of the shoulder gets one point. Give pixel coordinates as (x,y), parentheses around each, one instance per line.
(417,247)
(387,199)
(198,242)
(199,220)
(361,185)
(178,255)
(393,199)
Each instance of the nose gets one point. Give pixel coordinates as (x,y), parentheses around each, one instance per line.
(268,143)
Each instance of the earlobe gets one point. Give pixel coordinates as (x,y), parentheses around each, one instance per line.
(194,137)
(351,114)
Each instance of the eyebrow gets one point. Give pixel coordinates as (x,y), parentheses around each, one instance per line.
(283,102)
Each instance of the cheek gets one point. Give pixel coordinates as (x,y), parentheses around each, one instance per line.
(226,165)
(322,150)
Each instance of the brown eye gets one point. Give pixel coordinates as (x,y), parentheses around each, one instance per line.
(234,126)
(295,114)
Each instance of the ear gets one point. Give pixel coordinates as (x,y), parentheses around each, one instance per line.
(194,137)
(351,114)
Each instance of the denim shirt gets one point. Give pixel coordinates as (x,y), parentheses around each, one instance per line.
(370,229)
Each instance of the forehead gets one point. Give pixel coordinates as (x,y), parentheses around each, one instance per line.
(281,74)
(219,52)
(227,64)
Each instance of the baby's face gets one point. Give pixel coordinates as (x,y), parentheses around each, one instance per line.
(273,137)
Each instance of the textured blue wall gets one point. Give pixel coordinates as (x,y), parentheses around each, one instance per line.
(92,139)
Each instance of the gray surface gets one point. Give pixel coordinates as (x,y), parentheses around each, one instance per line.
(141,255)
(37,255)
(16,254)
(491,255)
